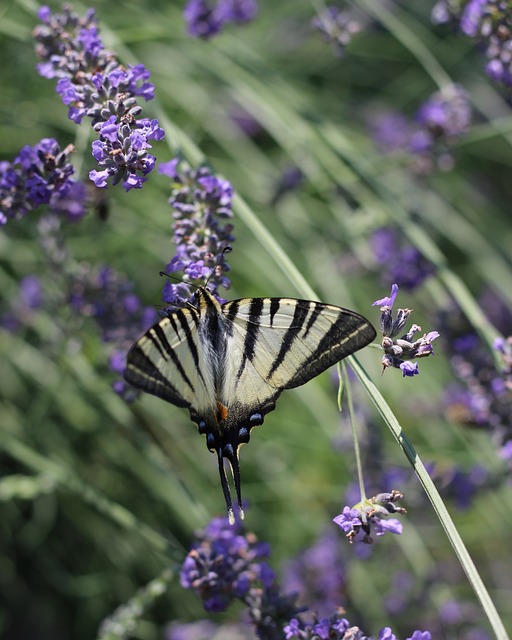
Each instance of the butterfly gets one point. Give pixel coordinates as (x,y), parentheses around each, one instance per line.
(228,363)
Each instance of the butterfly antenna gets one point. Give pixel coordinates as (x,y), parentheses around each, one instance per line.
(225,487)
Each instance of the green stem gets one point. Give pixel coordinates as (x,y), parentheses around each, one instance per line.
(345,384)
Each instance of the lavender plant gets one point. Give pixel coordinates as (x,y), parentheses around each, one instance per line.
(428,141)
(82,470)
(206,18)
(93,83)
(489,24)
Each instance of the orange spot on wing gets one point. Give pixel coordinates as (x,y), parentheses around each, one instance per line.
(222,411)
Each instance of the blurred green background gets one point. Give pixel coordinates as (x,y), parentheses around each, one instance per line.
(98,497)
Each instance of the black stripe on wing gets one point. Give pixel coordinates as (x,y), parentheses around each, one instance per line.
(299,317)
(252,331)
(349,333)
(143,374)
(154,365)
(157,335)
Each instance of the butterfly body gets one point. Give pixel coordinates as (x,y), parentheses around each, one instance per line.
(228,363)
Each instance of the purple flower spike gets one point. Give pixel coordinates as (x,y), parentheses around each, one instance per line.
(40,175)
(399,350)
(225,565)
(205,18)
(440,123)
(92,83)
(357,522)
(399,261)
(337,27)
(201,204)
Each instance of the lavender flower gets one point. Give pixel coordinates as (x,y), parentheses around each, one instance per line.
(290,179)
(334,628)
(504,347)
(390,132)
(318,574)
(205,19)
(357,522)
(400,351)
(40,175)
(337,27)
(108,298)
(224,564)
(491,24)
(337,627)
(93,84)
(205,630)
(446,11)
(461,485)
(399,262)
(28,299)
(439,124)
(445,116)
(484,396)
(201,202)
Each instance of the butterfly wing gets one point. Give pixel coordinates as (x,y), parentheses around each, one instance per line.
(282,343)
(168,362)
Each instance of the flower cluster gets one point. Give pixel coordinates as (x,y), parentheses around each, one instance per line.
(289,180)
(490,24)
(337,27)
(40,175)
(338,628)
(400,351)
(439,124)
(504,347)
(399,262)
(205,19)
(28,299)
(92,83)
(201,204)
(485,398)
(372,514)
(224,565)
(319,575)
(108,298)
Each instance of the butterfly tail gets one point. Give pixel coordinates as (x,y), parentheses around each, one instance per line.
(225,487)
(232,458)
(235,470)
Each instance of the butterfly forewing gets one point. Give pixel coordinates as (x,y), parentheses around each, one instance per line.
(169,362)
(286,342)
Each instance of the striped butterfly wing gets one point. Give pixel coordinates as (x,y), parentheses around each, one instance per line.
(282,343)
(276,344)
(168,362)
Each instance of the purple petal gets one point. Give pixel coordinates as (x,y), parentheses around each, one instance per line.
(409,369)
(387,302)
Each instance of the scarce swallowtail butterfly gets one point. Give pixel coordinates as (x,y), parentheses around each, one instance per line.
(228,363)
